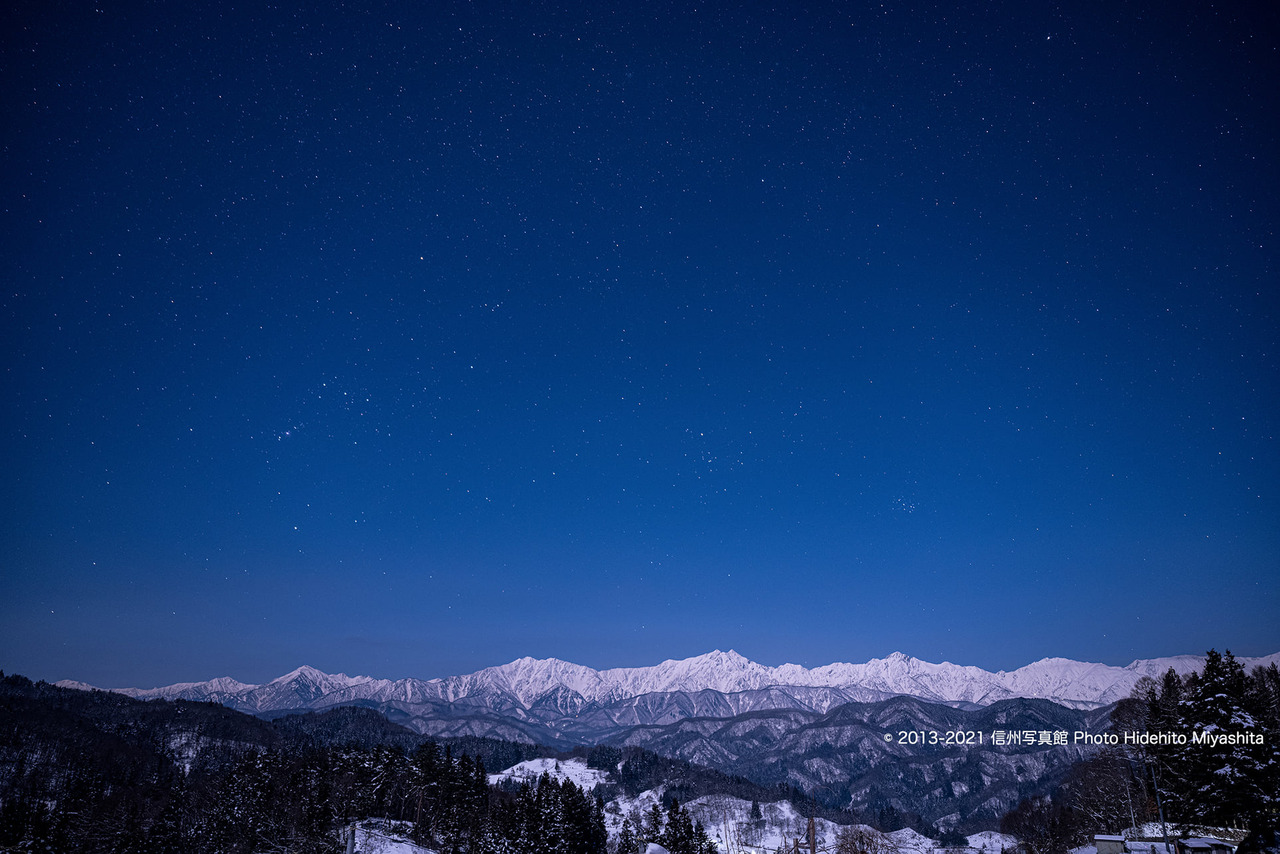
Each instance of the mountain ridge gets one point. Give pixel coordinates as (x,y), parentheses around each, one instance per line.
(551,688)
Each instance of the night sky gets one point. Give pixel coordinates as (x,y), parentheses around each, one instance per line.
(406,339)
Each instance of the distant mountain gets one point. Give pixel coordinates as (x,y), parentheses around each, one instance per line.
(860,753)
(556,702)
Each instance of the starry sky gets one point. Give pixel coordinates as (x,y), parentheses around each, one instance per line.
(408,338)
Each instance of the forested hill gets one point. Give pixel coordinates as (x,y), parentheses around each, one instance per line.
(99,772)
(99,724)
(96,771)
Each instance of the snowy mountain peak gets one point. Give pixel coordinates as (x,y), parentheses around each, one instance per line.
(721,657)
(227,685)
(716,660)
(307,672)
(75,686)
(725,683)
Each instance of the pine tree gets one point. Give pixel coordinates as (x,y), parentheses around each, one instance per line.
(551,819)
(425,781)
(702,843)
(627,842)
(678,838)
(1165,714)
(652,830)
(1227,783)
(599,834)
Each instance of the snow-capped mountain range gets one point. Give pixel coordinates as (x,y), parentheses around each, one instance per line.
(821,728)
(563,696)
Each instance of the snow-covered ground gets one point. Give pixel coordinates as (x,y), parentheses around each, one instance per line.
(574,770)
(622,808)
(990,842)
(908,841)
(375,836)
(728,820)
(1156,830)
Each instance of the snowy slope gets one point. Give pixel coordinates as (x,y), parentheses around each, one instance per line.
(574,770)
(991,842)
(727,821)
(908,841)
(377,836)
(218,690)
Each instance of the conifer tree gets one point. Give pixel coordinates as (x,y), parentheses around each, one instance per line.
(598,835)
(702,843)
(652,830)
(1230,782)
(425,782)
(678,838)
(627,842)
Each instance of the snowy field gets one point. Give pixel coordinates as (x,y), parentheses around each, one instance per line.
(726,819)
(990,842)
(574,770)
(728,822)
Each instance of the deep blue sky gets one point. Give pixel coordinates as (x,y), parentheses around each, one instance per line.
(410,338)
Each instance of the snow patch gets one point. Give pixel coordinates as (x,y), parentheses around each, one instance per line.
(574,770)
(376,836)
(908,840)
(990,842)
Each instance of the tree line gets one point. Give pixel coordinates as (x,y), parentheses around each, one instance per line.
(1193,752)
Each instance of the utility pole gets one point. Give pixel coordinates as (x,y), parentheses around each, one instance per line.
(1168,849)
